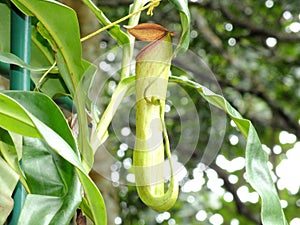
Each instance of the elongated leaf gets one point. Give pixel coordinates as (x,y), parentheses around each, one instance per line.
(258,174)
(13,117)
(39,106)
(10,155)
(182,7)
(51,85)
(115,31)
(8,182)
(95,199)
(125,87)
(84,206)
(80,100)
(8,150)
(10,58)
(53,128)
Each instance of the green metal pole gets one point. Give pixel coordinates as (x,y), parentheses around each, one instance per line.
(19,80)
(20,46)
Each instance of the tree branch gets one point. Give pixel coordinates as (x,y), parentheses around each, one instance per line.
(258,30)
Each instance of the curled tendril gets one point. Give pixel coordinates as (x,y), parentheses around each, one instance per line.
(154,3)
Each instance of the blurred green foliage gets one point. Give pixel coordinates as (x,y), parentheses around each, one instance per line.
(252,48)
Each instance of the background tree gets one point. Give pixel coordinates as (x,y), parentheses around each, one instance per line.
(253,50)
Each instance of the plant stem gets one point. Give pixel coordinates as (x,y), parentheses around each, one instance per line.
(117,21)
(44,76)
(128,49)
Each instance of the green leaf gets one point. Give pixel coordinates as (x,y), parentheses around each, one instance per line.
(69,62)
(39,106)
(10,58)
(54,130)
(22,8)
(8,182)
(10,155)
(41,51)
(182,6)
(52,85)
(115,31)
(62,32)
(125,87)
(13,117)
(42,60)
(4,36)
(63,35)
(94,198)
(60,181)
(45,207)
(42,56)
(258,174)
(84,206)
(5,28)
(81,100)
(92,193)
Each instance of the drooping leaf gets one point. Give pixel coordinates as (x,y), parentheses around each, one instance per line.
(52,85)
(182,7)
(84,206)
(80,100)
(96,205)
(115,31)
(258,174)
(8,182)
(9,58)
(22,8)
